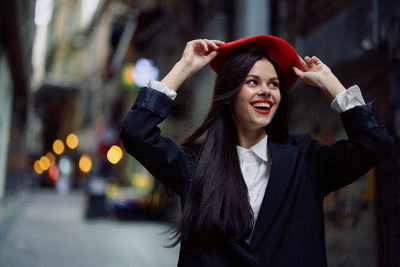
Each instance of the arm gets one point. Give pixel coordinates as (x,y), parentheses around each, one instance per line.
(196,55)
(368,141)
(140,135)
(142,139)
(345,161)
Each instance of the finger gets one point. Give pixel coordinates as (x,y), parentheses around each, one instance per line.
(212,44)
(316,60)
(303,64)
(298,72)
(196,44)
(204,45)
(217,42)
(211,56)
(309,61)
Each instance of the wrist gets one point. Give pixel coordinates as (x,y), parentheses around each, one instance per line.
(178,75)
(185,68)
(335,87)
(332,86)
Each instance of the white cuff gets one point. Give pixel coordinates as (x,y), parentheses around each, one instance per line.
(161,87)
(348,99)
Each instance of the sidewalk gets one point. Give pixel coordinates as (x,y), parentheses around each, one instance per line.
(44,229)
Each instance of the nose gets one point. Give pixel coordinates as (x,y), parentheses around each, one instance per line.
(264,90)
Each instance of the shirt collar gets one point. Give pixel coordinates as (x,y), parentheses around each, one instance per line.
(260,149)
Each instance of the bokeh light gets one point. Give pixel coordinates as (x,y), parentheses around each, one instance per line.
(142,180)
(85,163)
(72,141)
(58,147)
(114,154)
(127,77)
(144,71)
(37,168)
(65,165)
(112,190)
(51,157)
(54,172)
(44,163)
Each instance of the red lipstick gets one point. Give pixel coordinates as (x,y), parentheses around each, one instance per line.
(262,106)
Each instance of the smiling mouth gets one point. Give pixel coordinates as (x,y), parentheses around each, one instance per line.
(262,106)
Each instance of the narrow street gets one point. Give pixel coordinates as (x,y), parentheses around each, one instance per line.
(43,229)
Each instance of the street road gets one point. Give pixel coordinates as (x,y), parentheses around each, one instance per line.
(44,229)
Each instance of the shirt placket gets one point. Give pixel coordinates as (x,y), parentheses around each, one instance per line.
(250,167)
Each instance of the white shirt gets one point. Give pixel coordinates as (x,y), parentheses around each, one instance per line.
(255,162)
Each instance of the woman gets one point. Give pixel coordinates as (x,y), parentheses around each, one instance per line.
(251,194)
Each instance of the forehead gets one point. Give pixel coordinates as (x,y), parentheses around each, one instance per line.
(263,67)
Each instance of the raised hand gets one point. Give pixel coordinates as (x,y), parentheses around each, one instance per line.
(196,55)
(199,53)
(315,73)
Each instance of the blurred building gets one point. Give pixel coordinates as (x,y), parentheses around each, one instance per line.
(82,77)
(17,31)
(69,88)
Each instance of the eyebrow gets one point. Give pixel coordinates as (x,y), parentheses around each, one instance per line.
(258,77)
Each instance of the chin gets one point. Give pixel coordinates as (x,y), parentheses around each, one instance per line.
(260,125)
(263,123)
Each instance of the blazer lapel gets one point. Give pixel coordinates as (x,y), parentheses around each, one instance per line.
(283,162)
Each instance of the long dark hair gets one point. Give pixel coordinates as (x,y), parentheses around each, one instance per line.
(217,206)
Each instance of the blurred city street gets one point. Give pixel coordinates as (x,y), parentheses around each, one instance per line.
(71,70)
(44,229)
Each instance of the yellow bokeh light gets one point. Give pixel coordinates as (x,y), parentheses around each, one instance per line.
(127,76)
(112,190)
(85,163)
(37,168)
(58,147)
(51,157)
(44,163)
(72,140)
(114,154)
(142,180)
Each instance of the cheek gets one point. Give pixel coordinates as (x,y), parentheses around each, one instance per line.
(238,110)
(277,99)
(277,103)
(239,104)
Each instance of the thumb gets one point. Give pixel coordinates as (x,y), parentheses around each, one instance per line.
(212,55)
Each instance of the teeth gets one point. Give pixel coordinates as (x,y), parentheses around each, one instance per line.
(261,105)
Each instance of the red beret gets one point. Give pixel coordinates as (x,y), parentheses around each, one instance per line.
(279,50)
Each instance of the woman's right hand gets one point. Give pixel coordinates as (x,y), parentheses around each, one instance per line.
(199,53)
(196,55)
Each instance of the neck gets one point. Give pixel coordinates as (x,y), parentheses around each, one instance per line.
(248,138)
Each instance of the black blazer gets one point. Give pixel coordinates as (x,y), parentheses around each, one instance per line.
(289,230)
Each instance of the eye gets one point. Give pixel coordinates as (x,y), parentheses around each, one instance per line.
(251,82)
(274,84)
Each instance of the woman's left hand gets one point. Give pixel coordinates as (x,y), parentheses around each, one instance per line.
(315,73)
